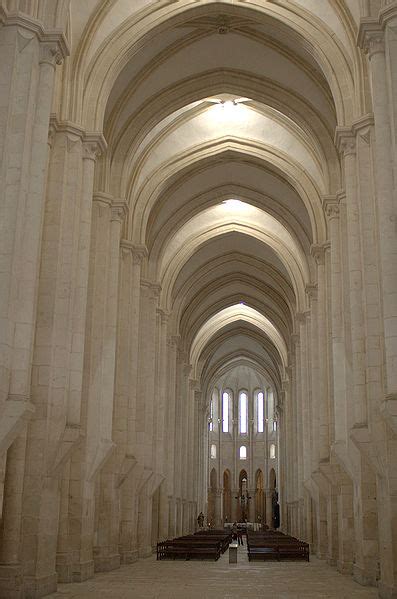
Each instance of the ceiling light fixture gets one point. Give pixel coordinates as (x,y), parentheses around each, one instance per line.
(228,103)
(233,203)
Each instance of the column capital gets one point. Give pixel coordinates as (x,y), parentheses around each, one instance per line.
(285,385)
(187,369)
(153,286)
(138,252)
(72,132)
(194,384)
(55,37)
(164,315)
(301,317)
(331,206)
(50,53)
(94,145)
(362,127)
(102,198)
(174,340)
(371,37)
(198,398)
(119,210)
(388,13)
(367,120)
(318,250)
(345,141)
(311,290)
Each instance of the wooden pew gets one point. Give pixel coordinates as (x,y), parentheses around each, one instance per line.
(271,545)
(191,546)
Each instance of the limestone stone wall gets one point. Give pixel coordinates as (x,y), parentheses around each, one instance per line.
(167,213)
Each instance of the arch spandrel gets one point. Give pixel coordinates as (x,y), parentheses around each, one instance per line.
(239,149)
(210,122)
(230,315)
(110,57)
(218,221)
(213,83)
(193,305)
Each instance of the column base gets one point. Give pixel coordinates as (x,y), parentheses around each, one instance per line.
(331,561)
(129,557)
(65,573)
(107,563)
(344,567)
(364,577)
(145,551)
(387,592)
(83,571)
(321,555)
(35,587)
(11,581)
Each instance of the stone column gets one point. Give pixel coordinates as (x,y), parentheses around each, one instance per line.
(27,72)
(298,418)
(126,393)
(314,378)
(178,431)
(161,441)
(295,438)
(388,19)
(178,524)
(332,527)
(346,143)
(304,418)
(234,493)
(185,406)
(331,205)
(92,146)
(144,523)
(106,555)
(164,517)
(171,518)
(218,508)
(11,579)
(146,399)
(27,75)
(269,507)
(197,464)
(172,345)
(318,252)
(371,38)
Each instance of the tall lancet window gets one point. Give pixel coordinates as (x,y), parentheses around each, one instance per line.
(211,414)
(243,413)
(225,412)
(213,452)
(260,412)
(243,452)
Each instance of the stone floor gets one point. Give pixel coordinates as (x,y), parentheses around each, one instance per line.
(150,579)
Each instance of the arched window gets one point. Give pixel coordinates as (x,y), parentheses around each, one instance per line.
(225,412)
(213,451)
(274,425)
(243,412)
(211,427)
(270,406)
(260,411)
(243,452)
(272,451)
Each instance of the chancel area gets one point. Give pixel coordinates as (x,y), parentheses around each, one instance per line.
(198,295)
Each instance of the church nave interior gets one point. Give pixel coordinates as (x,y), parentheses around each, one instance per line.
(198,283)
